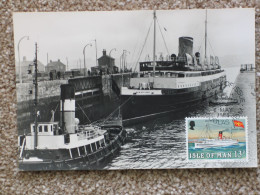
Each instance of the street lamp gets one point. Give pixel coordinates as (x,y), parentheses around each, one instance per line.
(122,60)
(84,57)
(110,58)
(111,51)
(96,49)
(20,68)
(124,57)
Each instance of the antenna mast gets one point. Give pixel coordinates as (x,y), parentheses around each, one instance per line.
(35,100)
(154,42)
(206,63)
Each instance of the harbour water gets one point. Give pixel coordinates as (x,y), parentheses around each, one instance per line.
(161,143)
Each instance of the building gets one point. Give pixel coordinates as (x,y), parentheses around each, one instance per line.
(56,66)
(25,66)
(106,64)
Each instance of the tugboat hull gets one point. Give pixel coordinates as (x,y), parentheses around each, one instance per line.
(94,160)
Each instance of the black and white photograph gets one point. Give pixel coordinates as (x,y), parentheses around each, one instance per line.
(148,89)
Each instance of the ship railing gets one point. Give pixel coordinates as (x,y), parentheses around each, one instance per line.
(89,132)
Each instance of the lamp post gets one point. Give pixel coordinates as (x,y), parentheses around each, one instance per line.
(67,63)
(110,57)
(122,64)
(96,49)
(20,68)
(84,57)
(111,51)
(124,57)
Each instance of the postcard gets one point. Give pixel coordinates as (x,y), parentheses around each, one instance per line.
(150,89)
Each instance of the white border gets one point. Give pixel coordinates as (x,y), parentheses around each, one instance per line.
(216,160)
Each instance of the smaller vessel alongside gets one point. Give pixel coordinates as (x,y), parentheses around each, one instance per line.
(223,100)
(67,145)
(64,144)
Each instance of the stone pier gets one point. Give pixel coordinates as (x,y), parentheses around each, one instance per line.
(88,106)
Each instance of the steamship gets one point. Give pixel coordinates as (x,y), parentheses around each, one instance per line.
(212,143)
(172,84)
(221,141)
(64,144)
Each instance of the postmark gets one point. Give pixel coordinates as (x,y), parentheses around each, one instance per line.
(217,139)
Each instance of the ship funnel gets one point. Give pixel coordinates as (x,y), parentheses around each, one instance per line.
(220,135)
(67,108)
(185,46)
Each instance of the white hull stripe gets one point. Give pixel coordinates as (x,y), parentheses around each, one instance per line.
(126,91)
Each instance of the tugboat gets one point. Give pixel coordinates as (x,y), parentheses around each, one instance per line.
(223,100)
(64,144)
(172,83)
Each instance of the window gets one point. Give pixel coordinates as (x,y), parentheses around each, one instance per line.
(97,144)
(51,128)
(40,128)
(45,128)
(102,142)
(93,146)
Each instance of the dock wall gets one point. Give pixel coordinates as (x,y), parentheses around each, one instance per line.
(120,79)
(45,89)
(49,96)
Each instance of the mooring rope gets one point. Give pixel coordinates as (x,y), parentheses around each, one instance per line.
(84,113)
(116,110)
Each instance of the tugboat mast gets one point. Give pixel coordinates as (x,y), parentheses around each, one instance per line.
(35,99)
(154,42)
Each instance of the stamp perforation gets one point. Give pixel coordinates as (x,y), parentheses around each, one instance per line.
(206,160)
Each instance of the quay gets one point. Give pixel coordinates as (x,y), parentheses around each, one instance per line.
(244,91)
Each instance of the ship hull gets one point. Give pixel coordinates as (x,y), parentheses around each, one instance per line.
(136,108)
(95,160)
(214,144)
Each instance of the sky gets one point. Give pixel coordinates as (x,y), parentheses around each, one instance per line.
(214,126)
(63,35)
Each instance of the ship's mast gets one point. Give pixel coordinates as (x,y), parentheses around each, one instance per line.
(154,42)
(35,99)
(206,63)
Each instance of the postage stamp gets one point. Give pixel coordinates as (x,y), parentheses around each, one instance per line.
(217,139)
